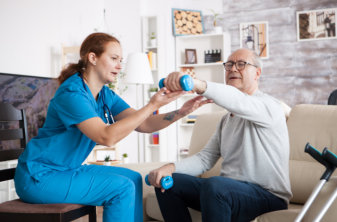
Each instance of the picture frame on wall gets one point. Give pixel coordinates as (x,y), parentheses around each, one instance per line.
(316,24)
(187,22)
(190,56)
(254,36)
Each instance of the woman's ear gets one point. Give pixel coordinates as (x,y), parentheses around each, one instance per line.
(92,58)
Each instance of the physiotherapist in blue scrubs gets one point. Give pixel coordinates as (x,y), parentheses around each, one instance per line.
(81,114)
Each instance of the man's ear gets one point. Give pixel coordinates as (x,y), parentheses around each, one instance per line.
(92,58)
(258,73)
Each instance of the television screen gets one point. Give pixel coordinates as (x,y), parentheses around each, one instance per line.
(29,93)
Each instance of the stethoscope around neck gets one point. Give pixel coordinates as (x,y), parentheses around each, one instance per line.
(106,109)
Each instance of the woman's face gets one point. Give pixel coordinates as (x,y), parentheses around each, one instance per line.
(108,65)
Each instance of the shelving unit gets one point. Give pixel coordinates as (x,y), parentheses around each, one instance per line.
(213,71)
(150,25)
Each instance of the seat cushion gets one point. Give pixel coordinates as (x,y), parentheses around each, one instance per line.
(18,206)
(281,215)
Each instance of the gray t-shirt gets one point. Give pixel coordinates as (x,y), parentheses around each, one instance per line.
(253,141)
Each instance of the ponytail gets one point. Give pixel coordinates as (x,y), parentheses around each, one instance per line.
(93,43)
(70,70)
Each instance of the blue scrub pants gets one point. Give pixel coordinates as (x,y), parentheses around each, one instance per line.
(218,198)
(118,189)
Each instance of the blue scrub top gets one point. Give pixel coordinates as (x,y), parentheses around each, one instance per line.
(60,145)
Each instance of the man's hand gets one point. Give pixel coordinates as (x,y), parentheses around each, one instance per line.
(172,83)
(156,175)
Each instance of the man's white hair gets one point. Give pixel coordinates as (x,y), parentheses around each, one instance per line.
(257,60)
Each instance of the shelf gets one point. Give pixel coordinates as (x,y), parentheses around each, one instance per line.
(201,64)
(153,145)
(200,36)
(112,163)
(151,48)
(187,124)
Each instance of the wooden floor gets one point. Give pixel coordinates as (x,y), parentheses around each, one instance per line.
(99,212)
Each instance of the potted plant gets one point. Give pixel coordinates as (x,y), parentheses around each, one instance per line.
(107,160)
(125,158)
(217,29)
(153,39)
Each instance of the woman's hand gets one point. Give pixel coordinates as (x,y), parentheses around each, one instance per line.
(193,104)
(165,96)
(156,175)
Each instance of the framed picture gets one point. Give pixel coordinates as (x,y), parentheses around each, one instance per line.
(190,56)
(187,22)
(316,24)
(254,36)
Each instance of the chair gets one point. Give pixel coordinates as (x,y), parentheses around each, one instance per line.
(332,100)
(17,210)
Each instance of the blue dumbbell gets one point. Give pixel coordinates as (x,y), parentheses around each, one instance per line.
(186,83)
(165,182)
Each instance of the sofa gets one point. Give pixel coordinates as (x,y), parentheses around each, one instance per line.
(316,124)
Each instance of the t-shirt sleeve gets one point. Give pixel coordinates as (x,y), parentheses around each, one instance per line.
(73,108)
(117,103)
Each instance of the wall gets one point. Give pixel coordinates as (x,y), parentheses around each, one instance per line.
(296,72)
(32,33)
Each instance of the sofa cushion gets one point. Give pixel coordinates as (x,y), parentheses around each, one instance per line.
(203,129)
(316,124)
(304,175)
(313,211)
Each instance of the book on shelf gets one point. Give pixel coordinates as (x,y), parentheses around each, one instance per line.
(152,56)
(191,119)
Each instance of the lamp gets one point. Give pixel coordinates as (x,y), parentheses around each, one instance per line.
(138,72)
(138,69)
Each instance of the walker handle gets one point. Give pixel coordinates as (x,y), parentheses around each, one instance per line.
(314,153)
(186,83)
(165,182)
(329,157)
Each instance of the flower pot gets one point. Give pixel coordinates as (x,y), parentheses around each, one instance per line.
(106,163)
(218,29)
(153,42)
(125,159)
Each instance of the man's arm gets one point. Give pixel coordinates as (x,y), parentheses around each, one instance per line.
(203,160)
(194,165)
(260,111)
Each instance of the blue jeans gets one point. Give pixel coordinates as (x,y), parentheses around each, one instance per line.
(219,199)
(118,190)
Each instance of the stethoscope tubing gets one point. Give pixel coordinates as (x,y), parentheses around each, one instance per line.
(105,106)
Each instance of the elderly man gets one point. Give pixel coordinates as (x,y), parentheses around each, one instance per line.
(253,141)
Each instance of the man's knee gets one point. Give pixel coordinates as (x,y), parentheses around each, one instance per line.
(217,188)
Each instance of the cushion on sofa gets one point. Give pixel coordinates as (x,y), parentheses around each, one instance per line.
(316,124)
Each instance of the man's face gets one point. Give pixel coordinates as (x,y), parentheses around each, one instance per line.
(246,79)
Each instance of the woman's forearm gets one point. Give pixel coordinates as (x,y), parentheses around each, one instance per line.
(158,122)
(116,132)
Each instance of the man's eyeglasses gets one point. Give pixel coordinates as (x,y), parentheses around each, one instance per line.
(240,65)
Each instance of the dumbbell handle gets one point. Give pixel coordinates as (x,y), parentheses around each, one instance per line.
(186,83)
(165,182)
